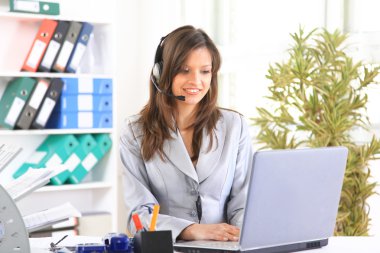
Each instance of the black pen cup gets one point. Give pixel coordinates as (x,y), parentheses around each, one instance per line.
(153,242)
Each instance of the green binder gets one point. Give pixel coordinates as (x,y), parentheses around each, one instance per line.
(34,6)
(103,145)
(86,144)
(55,149)
(14,99)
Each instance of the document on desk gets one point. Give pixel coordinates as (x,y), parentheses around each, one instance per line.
(39,220)
(32,180)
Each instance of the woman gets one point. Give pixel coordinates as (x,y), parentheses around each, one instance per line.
(182,151)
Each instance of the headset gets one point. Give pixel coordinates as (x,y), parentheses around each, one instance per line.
(157,70)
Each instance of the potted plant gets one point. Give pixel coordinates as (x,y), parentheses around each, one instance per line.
(316,99)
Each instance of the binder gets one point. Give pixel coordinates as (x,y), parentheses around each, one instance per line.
(30,6)
(67,47)
(73,86)
(86,144)
(39,45)
(104,144)
(14,99)
(80,48)
(48,104)
(74,120)
(84,102)
(54,46)
(54,150)
(30,109)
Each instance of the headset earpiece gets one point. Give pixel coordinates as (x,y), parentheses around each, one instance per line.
(158,64)
(156,71)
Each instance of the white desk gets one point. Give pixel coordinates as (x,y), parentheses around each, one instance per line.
(336,245)
(362,244)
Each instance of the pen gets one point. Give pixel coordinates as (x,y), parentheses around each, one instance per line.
(137,222)
(153,222)
(53,245)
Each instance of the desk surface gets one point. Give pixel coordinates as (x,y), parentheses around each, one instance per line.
(336,244)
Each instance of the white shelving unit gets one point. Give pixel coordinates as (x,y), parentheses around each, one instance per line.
(98,192)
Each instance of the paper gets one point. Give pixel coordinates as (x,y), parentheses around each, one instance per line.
(39,220)
(31,181)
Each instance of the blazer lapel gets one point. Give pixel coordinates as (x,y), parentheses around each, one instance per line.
(208,161)
(176,153)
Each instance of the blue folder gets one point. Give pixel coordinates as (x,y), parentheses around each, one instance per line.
(84,102)
(87,85)
(79,48)
(74,120)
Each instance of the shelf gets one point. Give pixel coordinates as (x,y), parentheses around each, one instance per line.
(50,75)
(76,187)
(53,131)
(98,192)
(32,16)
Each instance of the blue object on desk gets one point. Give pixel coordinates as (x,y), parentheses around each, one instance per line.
(90,248)
(118,243)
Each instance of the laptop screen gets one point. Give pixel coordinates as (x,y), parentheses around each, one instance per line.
(293,196)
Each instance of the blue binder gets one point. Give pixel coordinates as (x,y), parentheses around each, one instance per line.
(87,85)
(84,102)
(80,48)
(74,120)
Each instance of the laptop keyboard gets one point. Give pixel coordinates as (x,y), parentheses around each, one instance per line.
(209,244)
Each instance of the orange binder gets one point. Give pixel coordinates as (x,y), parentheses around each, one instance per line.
(39,45)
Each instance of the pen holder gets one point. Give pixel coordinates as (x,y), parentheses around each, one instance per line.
(153,242)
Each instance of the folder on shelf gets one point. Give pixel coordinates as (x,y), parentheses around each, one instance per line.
(86,144)
(33,6)
(54,46)
(72,86)
(39,45)
(74,120)
(80,48)
(54,150)
(104,144)
(30,109)
(49,102)
(13,100)
(67,47)
(84,102)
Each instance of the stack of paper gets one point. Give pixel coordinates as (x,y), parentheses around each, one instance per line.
(32,180)
(39,220)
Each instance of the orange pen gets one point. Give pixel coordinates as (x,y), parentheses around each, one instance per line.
(153,222)
(137,222)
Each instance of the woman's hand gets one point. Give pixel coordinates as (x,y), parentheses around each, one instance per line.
(217,232)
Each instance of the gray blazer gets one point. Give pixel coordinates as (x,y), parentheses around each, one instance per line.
(220,177)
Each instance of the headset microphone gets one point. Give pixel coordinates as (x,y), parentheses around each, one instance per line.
(157,69)
(181,98)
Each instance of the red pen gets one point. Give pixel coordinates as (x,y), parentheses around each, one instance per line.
(137,222)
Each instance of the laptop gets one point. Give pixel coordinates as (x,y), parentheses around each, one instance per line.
(292,202)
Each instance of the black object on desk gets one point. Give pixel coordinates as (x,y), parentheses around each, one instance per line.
(153,242)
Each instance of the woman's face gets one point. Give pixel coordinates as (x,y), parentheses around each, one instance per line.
(193,80)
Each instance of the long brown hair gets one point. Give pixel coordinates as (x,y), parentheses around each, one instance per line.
(157,117)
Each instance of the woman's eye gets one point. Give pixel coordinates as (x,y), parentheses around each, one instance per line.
(206,71)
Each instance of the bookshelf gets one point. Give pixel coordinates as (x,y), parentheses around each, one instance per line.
(98,192)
